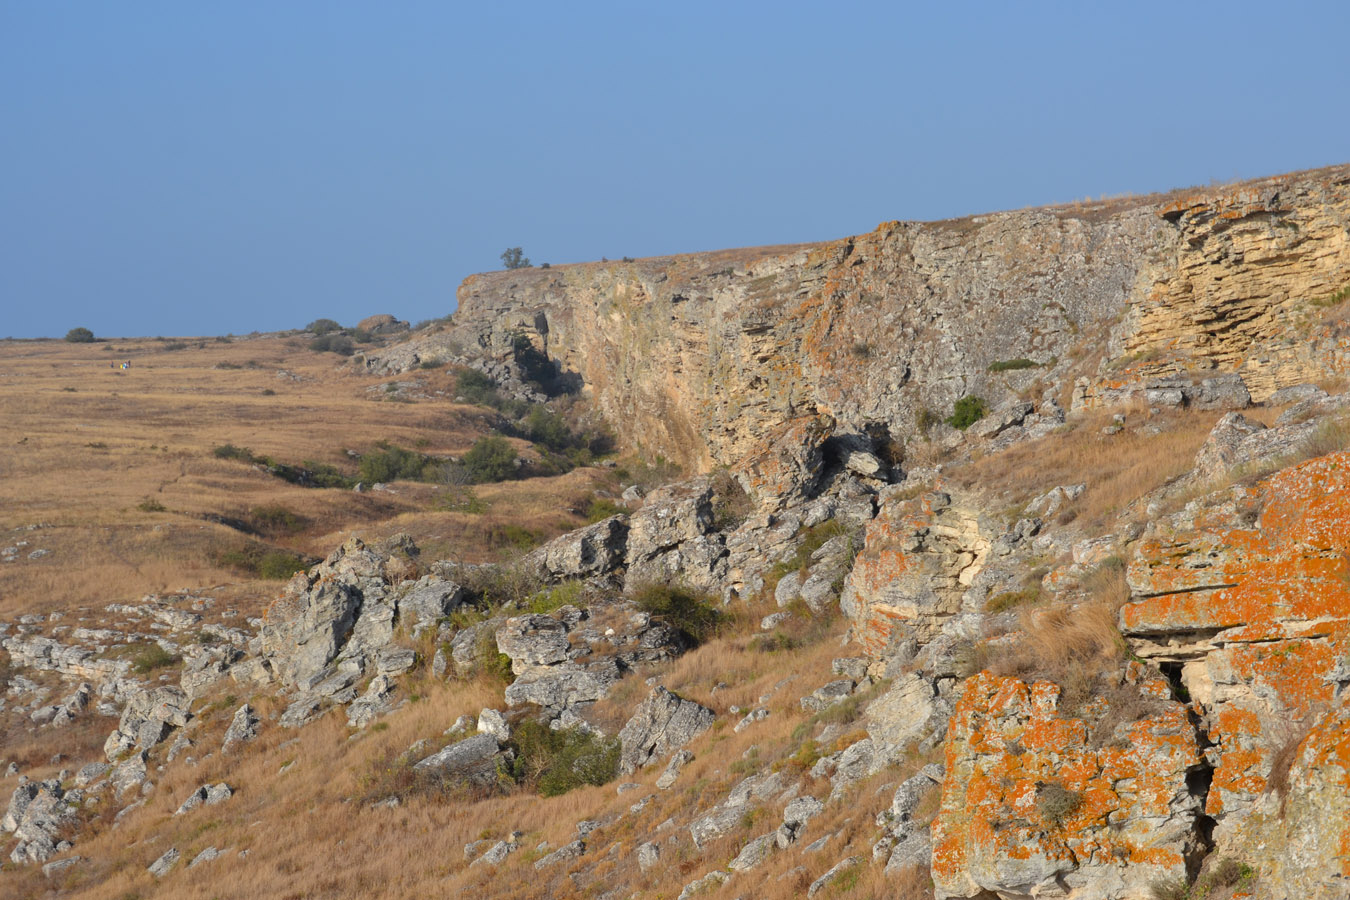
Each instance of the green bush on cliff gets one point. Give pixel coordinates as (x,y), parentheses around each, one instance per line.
(967,411)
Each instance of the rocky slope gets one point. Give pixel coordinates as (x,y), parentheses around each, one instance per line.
(1045,689)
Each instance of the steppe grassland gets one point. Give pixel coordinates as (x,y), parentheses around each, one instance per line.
(90,452)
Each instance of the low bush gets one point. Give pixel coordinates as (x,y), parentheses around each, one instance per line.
(333,343)
(1012,365)
(80,336)
(277,519)
(555,762)
(150,505)
(601,508)
(322,326)
(146,658)
(966,412)
(546,601)
(390,463)
(689,611)
(262,561)
(491,459)
(504,535)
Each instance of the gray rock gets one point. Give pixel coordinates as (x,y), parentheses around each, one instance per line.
(678,760)
(206,855)
(672,538)
(129,775)
(160,867)
(439,663)
(473,759)
(853,668)
(835,871)
(37,813)
(243,728)
(533,641)
(206,795)
(661,723)
(648,855)
(773,620)
(301,711)
(429,599)
(90,773)
(753,853)
(706,883)
(828,695)
(789,589)
(820,590)
(147,719)
(594,550)
(712,825)
(393,661)
(1001,419)
(758,714)
(562,854)
(802,810)
(375,702)
(490,721)
(56,867)
(498,852)
(556,688)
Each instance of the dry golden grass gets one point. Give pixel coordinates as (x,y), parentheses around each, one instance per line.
(90,453)
(1118,469)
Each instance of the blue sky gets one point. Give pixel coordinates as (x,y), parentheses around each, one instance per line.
(171,168)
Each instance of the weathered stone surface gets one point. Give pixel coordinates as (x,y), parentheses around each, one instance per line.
(559,687)
(428,599)
(918,559)
(678,760)
(831,874)
(160,867)
(205,795)
(753,853)
(661,723)
(1123,815)
(565,853)
(473,759)
(344,609)
(594,550)
(648,855)
(147,719)
(1247,592)
(37,813)
(532,641)
(243,728)
(378,700)
(672,538)
(383,323)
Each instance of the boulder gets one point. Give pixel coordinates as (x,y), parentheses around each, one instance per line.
(661,723)
(428,599)
(243,728)
(594,550)
(382,323)
(532,641)
(473,759)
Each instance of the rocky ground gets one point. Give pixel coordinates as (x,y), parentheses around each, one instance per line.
(1093,644)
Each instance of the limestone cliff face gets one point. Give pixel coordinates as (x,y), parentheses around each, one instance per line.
(698,356)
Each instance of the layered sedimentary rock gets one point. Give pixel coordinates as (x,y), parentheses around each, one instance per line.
(705,357)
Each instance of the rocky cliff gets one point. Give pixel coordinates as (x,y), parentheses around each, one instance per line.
(699,357)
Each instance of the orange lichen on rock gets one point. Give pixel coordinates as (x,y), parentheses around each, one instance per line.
(1029,802)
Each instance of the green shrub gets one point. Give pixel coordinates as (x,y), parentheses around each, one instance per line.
(1012,365)
(966,412)
(80,336)
(148,657)
(277,519)
(689,611)
(926,419)
(322,327)
(508,534)
(555,762)
(491,459)
(333,343)
(546,601)
(263,561)
(390,463)
(150,505)
(601,508)
(230,451)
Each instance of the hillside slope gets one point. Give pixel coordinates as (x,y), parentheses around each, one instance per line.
(1010,559)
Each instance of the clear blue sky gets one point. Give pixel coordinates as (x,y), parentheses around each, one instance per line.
(172,168)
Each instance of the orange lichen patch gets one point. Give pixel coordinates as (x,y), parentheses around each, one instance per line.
(1280,623)
(1008,741)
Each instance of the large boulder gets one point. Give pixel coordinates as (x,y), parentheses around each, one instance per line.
(662,723)
(594,550)
(473,759)
(673,538)
(148,718)
(532,641)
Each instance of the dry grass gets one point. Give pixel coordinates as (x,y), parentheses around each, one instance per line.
(1118,469)
(92,453)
